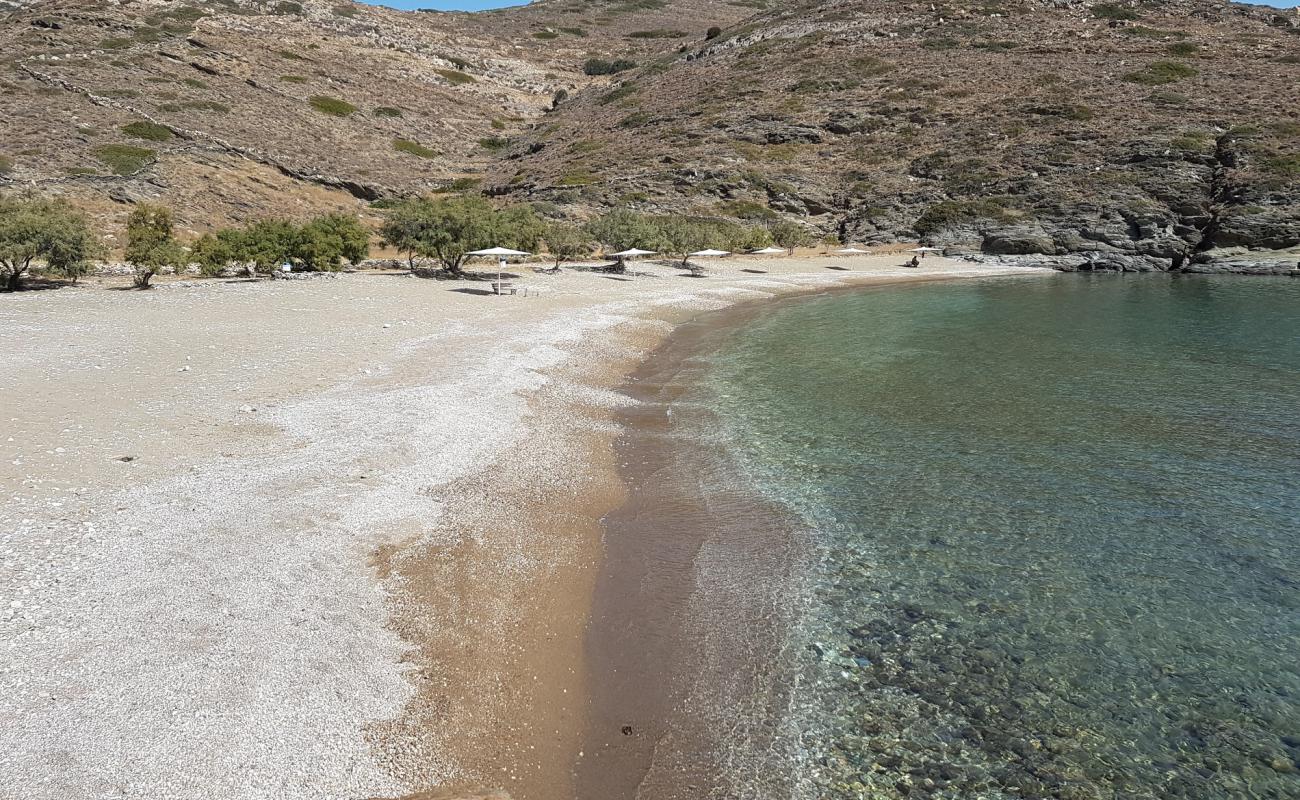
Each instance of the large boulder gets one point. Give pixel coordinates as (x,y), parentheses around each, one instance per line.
(1018,240)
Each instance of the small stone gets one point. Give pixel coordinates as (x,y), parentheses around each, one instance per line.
(246,409)
(185,368)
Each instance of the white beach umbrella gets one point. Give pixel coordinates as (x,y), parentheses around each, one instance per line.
(501,253)
(632,253)
(766,251)
(926,250)
(709,254)
(851,251)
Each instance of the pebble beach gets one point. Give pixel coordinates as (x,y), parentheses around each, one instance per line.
(324,538)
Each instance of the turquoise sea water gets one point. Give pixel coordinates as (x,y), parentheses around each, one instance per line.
(1058,528)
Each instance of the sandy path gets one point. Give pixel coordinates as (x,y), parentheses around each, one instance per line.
(374,581)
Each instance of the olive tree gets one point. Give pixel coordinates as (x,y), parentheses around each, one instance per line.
(566,242)
(448,229)
(623,229)
(151,244)
(790,235)
(684,235)
(35,229)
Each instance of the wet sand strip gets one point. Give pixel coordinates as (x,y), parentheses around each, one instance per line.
(688,649)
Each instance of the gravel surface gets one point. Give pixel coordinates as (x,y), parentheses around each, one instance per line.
(195,481)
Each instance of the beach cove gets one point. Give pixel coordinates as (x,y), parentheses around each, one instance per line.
(344,545)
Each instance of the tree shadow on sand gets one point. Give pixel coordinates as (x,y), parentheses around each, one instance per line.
(38,284)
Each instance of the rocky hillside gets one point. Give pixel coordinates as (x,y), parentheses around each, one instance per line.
(226,108)
(1154,134)
(1140,135)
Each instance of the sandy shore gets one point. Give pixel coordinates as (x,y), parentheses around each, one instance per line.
(327,538)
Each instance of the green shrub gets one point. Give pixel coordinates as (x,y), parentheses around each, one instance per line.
(657,33)
(463,185)
(289,55)
(331,105)
(148,130)
(287,7)
(580,177)
(498,125)
(1167,98)
(599,66)
(629,6)
(1114,11)
(953,212)
(414,148)
(75,171)
(623,91)
(194,83)
(6,165)
(579,32)
(344,11)
(124,159)
(387,111)
(546,35)
(1161,72)
(745,209)
(1284,164)
(455,77)
(1195,142)
(125,94)
(114,43)
(206,105)
(293,78)
(493,143)
(1181,49)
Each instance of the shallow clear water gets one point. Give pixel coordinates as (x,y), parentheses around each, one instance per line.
(1059,522)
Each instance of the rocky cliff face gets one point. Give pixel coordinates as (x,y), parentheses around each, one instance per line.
(1161,134)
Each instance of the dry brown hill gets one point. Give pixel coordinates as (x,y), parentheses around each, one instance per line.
(226,109)
(1143,133)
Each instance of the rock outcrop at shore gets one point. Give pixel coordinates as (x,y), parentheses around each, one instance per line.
(1178,209)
